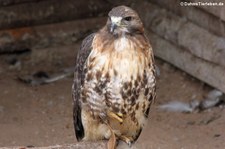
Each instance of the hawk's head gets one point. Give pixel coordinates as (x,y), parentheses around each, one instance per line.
(124,20)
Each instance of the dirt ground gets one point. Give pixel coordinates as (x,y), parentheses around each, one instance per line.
(42,115)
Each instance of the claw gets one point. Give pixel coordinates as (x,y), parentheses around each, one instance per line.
(116,116)
(127,140)
(120,115)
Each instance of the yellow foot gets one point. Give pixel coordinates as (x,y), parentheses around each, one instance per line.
(116,116)
(128,140)
(112,140)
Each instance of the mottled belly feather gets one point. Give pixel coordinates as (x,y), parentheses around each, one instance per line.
(121,82)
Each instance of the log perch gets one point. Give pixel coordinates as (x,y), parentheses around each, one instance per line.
(80,145)
(84,145)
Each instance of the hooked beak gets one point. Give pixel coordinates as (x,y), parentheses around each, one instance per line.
(113,26)
(115,22)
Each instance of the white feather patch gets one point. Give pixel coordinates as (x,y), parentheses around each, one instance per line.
(116,20)
(121,44)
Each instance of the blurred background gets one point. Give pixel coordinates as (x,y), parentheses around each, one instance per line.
(39,40)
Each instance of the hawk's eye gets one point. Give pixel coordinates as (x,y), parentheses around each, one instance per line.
(128,18)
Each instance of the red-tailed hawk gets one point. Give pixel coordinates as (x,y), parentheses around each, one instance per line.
(114,83)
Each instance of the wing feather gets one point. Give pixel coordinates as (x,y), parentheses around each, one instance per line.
(79,76)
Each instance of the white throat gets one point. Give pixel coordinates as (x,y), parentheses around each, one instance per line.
(122,44)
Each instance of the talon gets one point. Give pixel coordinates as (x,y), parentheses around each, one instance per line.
(127,140)
(116,116)
(120,115)
(129,144)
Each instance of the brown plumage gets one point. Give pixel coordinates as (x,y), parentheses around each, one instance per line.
(114,83)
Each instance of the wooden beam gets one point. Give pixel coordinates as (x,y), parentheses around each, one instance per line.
(197,15)
(182,32)
(45,36)
(50,11)
(206,71)
(185,45)
(218,10)
(16,2)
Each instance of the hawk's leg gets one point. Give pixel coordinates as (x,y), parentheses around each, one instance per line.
(112,140)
